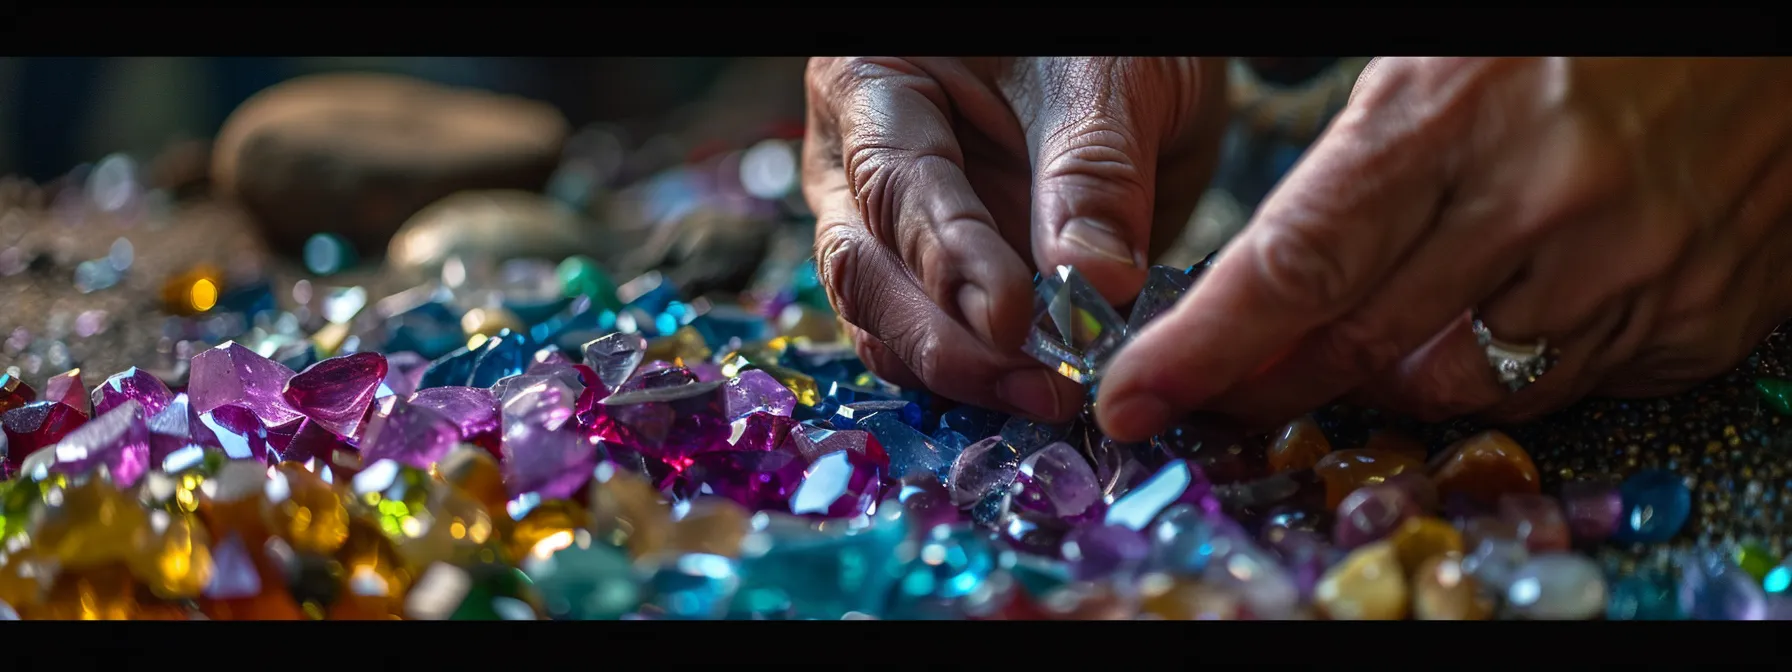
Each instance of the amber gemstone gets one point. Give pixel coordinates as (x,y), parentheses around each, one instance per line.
(94,525)
(1344,471)
(304,510)
(1442,591)
(177,564)
(684,345)
(549,527)
(102,593)
(1298,446)
(627,511)
(1175,599)
(1368,585)
(25,579)
(713,525)
(478,476)
(1483,467)
(1420,539)
(374,578)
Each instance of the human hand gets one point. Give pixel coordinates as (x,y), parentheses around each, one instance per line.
(1631,212)
(939,184)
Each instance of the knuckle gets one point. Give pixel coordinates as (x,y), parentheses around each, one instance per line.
(838,259)
(1096,147)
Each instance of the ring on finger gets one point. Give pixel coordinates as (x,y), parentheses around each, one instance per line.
(1517,365)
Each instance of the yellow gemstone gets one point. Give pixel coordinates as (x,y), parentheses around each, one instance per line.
(626,511)
(174,493)
(374,579)
(304,510)
(684,345)
(1368,585)
(713,525)
(1298,446)
(101,593)
(93,525)
(472,470)
(1174,599)
(330,339)
(1421,539)
(25,579)
(489,322)
(178,564)
(1442,591)
(453,529)
(550,526)
(800,321)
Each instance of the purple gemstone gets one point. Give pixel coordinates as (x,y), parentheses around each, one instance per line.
(655,470)
(615,357)
(175,428)
(473,410)
(67,388)
(35,426)
(755,390)
(336,393)
(926,503)
(239,432)
(984,467)
(118,440)
(404,371)
(551,463)
(1371,514)
(1059,482)
(760,431)
(1594,510)
(132,383)
(706,371)
(670,423)
(645,379)
(1100,551)
(411,434)
(757,480)
(547,359)
(231,374)
(841,484)
(814,442)
(313,442)
(544,401)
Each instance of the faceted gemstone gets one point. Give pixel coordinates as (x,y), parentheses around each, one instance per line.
(840,484)
(454,368)
(35,426)
(1371,514)
(546,527)
(711,525)
(1163,286)
(754,391)
(670,423)
(792,569)
(1074,329)
(506,354)
(538,401)
(1057,481)
(1299,446)
(1443,591)
(1656,505)
(847,416)
(231,374)
(477,475)
(1495,562)
(67,388)
(756,480)
(941,573)
(1485,466)
(1712,588)
(589,581)
(1368,585)
(404,371)
(1176,483)
(761,430)
(1557,587)
(132,383)
(1538,521)
(177,562)
(1099,551)
(1420,539)
(304,510)
(651,377)
(1594,510)
(473,411)
(813,442)
(615,356)
(118,441)
(239,432)
(313,442)
(551,463)
(1344,471)
(987,466)
(14,392)
(692,586)
(336,393)
(1644,596)
(627,512)
(909,450)
(1777,392)
(413,435)
(925,503)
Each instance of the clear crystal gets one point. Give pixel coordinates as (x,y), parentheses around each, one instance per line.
(1163,287)
(1074,330)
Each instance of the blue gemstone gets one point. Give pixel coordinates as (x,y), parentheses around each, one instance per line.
(1186,540)
(1656,506)
(848,415)
(452,369)
(843,393)
(910,450)
(1028,437)
(950,440)
(1176,483)
(1643,597)
(1039,576)
(975,424)
(535,312)
(432,330)
(694,586)
(503,355)
(1713,588)
(590,583)
(657,298)
(795,570)
(250,300)
(990,509)
(723,325)
(941,572)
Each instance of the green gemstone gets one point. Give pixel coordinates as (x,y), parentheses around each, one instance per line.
(807,287)
(1754,559)
(497,593)
(581,276)
(593,582)
(1777,392)
(20,499)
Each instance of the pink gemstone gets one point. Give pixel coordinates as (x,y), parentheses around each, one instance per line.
(67,388)
(1372,513)
(755,390)
(670,423)
(240,433)
(231,374)
(335,393)
(551,463)
(35,426)
(669,376)
(756,480)
(1058,481)
(411,434)
(117,440)
(1538,520)
(759,431)
(132,383)
(813,442)
(473,410)
(841,484)
(404,370)
(615,357)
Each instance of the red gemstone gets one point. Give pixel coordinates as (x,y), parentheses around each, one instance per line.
(14,392)
(335,393)
(35,426)
(67,388)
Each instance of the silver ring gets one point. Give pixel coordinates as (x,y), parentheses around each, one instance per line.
(1517,366)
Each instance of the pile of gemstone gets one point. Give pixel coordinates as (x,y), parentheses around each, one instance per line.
(604,452)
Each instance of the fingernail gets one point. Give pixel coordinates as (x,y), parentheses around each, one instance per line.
(1031,391)
(974,304)
(1101,240)
(1138,412)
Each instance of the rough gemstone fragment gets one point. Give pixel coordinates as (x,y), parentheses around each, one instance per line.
(132,383)
(756,480)
(548,402)
(987,466)
(840,484)
(472,410)
(506,354)
(754,390)
(1163,286)
(67,388)
(336,392)
(615,356)
(235,375)
(1074,330)
(553,463)
(239,432)
(670,422)
(412,435)
(118,440)
(1059,482)
(14,392)
(761,431)
(813,442)
(404,371)
(909,450)
(35,426)
(1656,505)
(172,429)
(847,416)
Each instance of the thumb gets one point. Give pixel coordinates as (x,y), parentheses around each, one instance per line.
(1094,142)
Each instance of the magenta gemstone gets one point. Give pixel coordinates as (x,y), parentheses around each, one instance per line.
(404,371)
(335,393)
(755,390)
(35,426)
(543,401)
(670,423)
(240,433)
(759,431)
(814,442)
(758,481)
(1370,514)
(473,410)
(1058,481)
(1594,510)
(615,357)
(841,484)
(132,383)
(412,434)
(551,463)
(231,374)
(671,376)
(1100,551)
(314,442)
(117,440)
(66,387)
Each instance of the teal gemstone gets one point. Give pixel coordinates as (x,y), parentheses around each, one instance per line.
(581,276)
(1645,596)
(693,586)
(1039,576)
(496,593)
(595,582)
(791,568)
(806,285)
(1777,393)
(1656,505)
(942,572)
